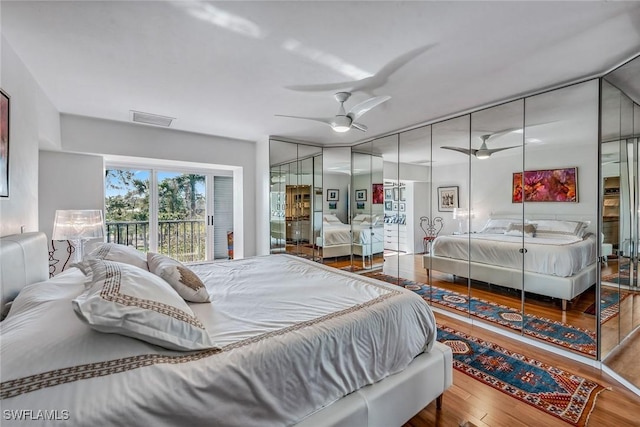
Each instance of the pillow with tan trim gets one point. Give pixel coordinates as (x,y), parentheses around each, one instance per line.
(184,281)
(127,300)
(120,253)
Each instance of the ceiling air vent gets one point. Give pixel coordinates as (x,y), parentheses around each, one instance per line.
(151,119)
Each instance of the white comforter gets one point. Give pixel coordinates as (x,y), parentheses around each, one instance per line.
(295,337)
(558,257)
(340,234)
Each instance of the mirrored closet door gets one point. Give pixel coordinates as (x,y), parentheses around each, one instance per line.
(619,151)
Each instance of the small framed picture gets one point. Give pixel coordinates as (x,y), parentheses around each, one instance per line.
(395,206)
(448,199)
(402,194)
(395,193)
(333,205)
(361,195)
(333,195)
(388,194)
(401,207)
(388,205)
(360,205)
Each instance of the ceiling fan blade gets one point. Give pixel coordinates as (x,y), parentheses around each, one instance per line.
(401,60)
(359,126)
(367,84)
(495,150)
(358,110)
(468,152)
(322,87)
(315,119)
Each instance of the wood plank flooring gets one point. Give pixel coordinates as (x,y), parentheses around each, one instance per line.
(469,402)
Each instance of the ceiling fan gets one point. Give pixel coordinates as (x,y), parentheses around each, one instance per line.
(483,152)
(344,121)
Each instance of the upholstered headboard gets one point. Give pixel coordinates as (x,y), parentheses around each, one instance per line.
(24,259)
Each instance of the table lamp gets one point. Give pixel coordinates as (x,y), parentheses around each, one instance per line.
(78,226)
(463,216)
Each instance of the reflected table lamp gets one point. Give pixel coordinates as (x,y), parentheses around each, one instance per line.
(78,226)
(463,216)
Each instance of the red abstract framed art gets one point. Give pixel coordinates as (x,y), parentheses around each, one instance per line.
(545,185)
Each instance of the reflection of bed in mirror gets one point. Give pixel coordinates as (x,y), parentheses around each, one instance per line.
(336,240)
(559,256)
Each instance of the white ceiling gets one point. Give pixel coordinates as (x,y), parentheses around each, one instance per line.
(224,68)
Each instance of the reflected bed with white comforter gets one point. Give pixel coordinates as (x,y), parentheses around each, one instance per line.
(291,337)
(555,258)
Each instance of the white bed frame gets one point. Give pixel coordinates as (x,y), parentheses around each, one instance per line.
(387,403)
(564,288)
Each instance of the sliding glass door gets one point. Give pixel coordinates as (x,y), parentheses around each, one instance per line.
(187,215)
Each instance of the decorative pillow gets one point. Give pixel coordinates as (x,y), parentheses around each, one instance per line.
(519,229)
(120,253)
(184,281)
(332,219)
(558,229)
(361,217)
(127,300)
(498,226)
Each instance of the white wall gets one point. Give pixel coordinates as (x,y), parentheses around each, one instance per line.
(68,181)
(96,136)
(33,120)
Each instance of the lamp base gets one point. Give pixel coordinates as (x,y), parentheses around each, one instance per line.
(78,250)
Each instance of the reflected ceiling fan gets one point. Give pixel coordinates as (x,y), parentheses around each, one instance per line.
(483,152)
(344,121)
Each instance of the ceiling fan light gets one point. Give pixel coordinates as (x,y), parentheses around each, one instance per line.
(482,156)
(341,128)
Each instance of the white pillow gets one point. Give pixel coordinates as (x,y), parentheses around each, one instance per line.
(120,253)
(184,281)
(361,217)
(519,229)
(558,229)
(128,300)
(332,219)
(498,225)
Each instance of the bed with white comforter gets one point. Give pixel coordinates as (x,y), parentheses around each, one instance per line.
(292,337)
(557,260)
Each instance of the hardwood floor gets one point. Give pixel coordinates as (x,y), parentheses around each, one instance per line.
(468,400)
(471,402)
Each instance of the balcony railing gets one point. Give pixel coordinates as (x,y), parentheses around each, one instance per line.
(184,240)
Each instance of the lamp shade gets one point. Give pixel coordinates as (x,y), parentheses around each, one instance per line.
(78,225)
(459,213)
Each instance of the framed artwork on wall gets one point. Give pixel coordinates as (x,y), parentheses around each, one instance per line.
(403,194)
(546,185)
(333,205)
(395,193)
(402,207)
(361,195)
(388,205)
(332,195)
(4,144)
(395,206)
(378,193)
(388,194)
(360,205)
(448,199)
